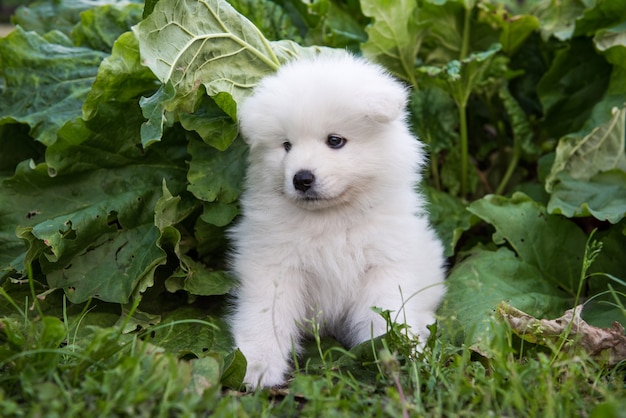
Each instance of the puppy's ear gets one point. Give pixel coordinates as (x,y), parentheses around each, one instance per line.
(386,105)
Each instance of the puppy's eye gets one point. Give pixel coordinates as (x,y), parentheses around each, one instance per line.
(335,141)
(287,145)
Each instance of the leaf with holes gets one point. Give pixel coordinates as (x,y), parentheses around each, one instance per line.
(88,214)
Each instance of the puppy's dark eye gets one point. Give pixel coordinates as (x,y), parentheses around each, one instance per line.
(287,145)
(335,141)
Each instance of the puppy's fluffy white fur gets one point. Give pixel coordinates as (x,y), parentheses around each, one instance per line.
(352,236)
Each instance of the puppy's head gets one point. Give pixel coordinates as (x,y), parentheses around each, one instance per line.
(327,131)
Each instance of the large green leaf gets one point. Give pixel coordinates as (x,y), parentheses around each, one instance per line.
(46,78)
(394,36)
(91,232)
(576,181)
(88,214)
(485,278)
(525,226)
(527,271)
(602,149)
(602,196)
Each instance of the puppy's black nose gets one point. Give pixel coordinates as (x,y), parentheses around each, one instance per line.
(303,180)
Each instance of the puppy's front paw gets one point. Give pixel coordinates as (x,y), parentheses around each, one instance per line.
(263,372)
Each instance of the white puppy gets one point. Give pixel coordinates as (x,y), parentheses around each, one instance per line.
(332,225)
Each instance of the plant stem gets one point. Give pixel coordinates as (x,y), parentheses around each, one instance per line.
(396,380)
(31,283)
(464,148)
(509,170)
(461,106)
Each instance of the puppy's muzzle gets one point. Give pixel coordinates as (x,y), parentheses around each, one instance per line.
(303,180)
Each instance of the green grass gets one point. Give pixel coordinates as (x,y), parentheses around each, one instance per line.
(63,365)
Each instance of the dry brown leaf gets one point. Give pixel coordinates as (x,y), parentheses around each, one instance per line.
(607,344)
